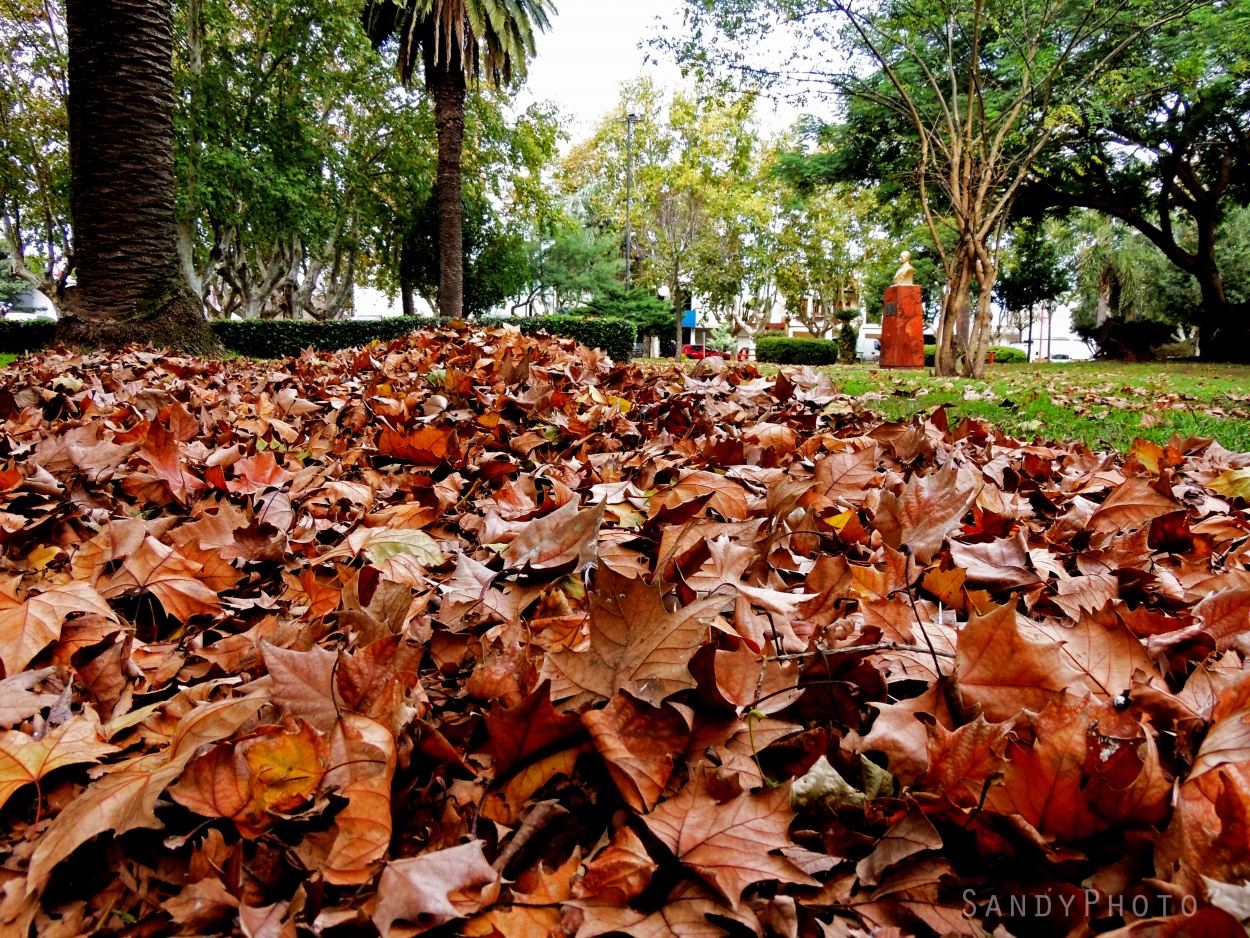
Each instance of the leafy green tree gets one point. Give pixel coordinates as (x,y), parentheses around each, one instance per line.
(457,43)
(1122,277)
(497,262)
(966,95)
(305,167)
(848,341)
(284,115)
(505,159)
(10,286)
(1167,152)
(34,156)
(694,160)
(651,315)
(825,234)
(1034,274)
(572,264)
(721,338)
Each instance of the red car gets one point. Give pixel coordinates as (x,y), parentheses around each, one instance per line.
(702,351)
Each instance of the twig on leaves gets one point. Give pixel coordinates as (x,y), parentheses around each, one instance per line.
(852,649)
(911,597)
(542,814)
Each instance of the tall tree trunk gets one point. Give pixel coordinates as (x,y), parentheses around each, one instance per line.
(954,308)
(678,312)
(976,350)
(1223,331)
(130,286)
(1104,295)
(445,81)
(405,297)
(405,276)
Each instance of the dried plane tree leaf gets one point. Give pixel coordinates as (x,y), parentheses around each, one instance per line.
(996,668)
(636,644)
(927,510)
(637,743)
(911,835)
(728,843)
(419,889)
(28,624)
(24,759)
(125,799)
(619,872)
(1130,506)
(566,536)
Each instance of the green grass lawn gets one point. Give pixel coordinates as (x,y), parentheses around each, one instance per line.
(1105,404)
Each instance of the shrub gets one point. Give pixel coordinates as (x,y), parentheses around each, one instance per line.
(650,314)
(848,342)
(286,338)
(1003,355)
(1177,350)
(1006,355)
(796,351)
(17,337)
(1136,341)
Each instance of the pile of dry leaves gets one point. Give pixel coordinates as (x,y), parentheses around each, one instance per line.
(486,635)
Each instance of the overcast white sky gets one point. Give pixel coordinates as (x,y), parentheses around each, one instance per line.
(591,48)
(595,45)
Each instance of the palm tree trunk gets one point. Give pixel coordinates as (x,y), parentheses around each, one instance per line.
(405,276)
(121,113)
(445,81)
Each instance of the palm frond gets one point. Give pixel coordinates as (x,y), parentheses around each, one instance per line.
(493,40)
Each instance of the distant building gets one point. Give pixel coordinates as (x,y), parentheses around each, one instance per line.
(372,303)
(31,304)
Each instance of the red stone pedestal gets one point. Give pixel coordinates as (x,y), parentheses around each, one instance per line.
(902,328)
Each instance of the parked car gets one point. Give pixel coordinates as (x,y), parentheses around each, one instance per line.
(868,350)
(702,351)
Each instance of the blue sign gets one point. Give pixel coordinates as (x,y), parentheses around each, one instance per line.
(687,319)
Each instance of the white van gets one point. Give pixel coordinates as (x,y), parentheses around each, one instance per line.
(868,349)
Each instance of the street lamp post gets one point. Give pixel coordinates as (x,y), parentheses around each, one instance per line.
(630,120)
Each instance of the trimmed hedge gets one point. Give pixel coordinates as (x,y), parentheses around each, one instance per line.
(1003,355)
(783,351)
(614,336)
(287,338)
(1006,355)
(17,337)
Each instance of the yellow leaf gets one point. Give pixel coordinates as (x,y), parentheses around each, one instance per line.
(947,586)
(1235,483)
(838,522)
(41,556)
(381,544)
(286,768)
